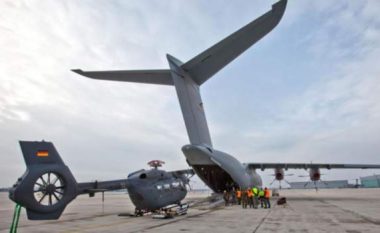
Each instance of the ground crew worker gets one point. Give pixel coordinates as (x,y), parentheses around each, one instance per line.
(233,196)
(261,198)
(244,199)
(226,197)
(250,197)
(267,197)
(238,196)
(255,192)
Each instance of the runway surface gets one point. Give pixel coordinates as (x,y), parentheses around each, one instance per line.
(338,210)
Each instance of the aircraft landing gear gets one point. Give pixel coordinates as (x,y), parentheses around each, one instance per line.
(139,213)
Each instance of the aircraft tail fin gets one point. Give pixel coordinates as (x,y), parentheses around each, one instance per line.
(209,62)
(38,153)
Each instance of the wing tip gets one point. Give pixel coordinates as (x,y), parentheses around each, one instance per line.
(78,71)
(279,9)
(280,5)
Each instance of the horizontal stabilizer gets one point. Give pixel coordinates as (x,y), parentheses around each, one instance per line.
(162,77)
(209,62)
(264,166)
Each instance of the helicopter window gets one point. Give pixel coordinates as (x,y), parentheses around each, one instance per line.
(143,176)
(159,187)
(175,184)
(166,186)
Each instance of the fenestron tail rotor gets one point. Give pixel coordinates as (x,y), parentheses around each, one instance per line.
(49,189)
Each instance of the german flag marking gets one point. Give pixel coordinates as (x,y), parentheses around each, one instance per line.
(42,153)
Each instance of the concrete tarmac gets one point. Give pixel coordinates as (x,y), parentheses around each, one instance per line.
(333,210)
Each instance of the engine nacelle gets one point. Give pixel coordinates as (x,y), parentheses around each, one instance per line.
(315,174)
(279,174)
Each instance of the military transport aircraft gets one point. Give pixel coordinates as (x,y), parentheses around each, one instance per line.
(219,170)
(48,185)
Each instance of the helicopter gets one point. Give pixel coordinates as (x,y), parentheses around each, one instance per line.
(48,186)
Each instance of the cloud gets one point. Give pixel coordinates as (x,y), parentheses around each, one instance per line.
(89,121)
(307,91)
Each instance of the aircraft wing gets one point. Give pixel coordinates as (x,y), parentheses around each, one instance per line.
(209,62)
(162,77)
(264,166)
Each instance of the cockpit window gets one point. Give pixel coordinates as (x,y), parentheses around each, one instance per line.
(166,186)
(175,184)
(143,176)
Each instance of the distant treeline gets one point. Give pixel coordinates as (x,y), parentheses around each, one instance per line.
(4,189)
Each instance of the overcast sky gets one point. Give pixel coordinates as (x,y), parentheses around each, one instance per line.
(309,91)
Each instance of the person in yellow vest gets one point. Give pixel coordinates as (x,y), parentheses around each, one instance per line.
(255,192)
(250,197)
(238,196)
(267,197)
(261,198)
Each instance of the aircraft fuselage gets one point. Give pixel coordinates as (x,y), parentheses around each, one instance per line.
(153,189)
(219,170)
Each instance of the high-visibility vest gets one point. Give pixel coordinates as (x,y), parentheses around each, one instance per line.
(255,191)
(261,193)
(250,194)
(267,193)
(238,194)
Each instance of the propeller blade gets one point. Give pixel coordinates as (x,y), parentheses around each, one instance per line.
(287,182)
(327,184)
(272,182)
